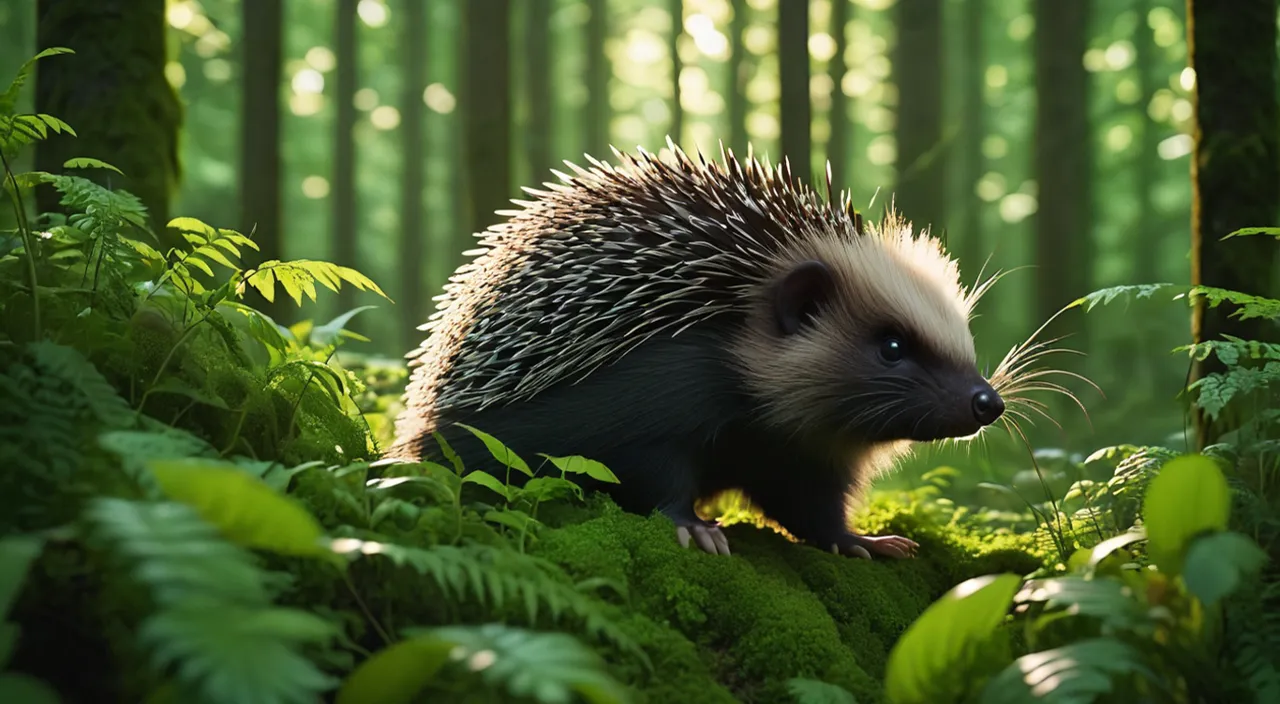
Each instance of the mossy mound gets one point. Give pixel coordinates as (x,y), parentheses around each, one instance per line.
(735,628)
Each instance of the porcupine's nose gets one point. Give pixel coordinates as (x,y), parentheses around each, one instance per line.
(987,405)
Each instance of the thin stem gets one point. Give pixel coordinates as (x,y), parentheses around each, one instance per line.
(28,244)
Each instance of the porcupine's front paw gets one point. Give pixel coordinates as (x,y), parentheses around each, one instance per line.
(705,534)
(855,545)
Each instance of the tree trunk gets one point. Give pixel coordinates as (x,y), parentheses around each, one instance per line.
(260,198)
(413,42)
(676,131)
(1063,222)
(538,131)
(737,92)
(1145,239)
(1235,168)
(598,70)
(917,63)
(343,233)
(486,68)
(974,129)
(838,141)
(114,94)
(793,74)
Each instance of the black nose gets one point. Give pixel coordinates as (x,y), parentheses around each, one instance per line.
(987,406)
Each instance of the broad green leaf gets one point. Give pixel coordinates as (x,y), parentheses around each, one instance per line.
(1075,674)
(193,225)
(806,691)
(549,489)
(447,450)
(1108,600)
(1188,497)
(1104,549)
(328,333)
(243,507)
(515,520)
(577,464)
(487,480)
(16,555)
(21,688)
(397,673)
(84,162)
(500,452)
(941,643)
(1216,562)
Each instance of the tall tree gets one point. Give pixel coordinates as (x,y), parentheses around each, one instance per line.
(676,131)
(1146,231)
(973,123)
(260,199)
(114,93)
(598,71)
(1064,247)
(487,86)
(737,79)
(1235,168)
(793,75)
(920,192)
(343,235)
(538,88)
(838,142)
(413,45)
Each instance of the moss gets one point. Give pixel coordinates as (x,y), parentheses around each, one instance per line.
(774,609)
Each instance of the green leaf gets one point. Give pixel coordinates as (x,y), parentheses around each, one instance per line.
(447,450)
(500,452)
(1217,562)
(17,553)
(395,674)
(487,480)
(513,519)
(549,489)
(1074,674)
(577,464)
(1188,497)
(1104,549)
(84,162)
(942,643)
(808,691)
(1247,231)
(328,333)
(1107,295)
(1111,601)
(243,507)
(21,688)
(9,99)
(194,226)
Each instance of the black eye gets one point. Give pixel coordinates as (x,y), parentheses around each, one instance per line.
(892,350)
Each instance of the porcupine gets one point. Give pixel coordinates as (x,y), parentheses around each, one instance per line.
(697,327)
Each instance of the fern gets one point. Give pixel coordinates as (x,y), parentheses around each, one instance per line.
(69,365)
(299,277)
(1230,350)
(1107,295)
(1214,391)
(1250,306)
(495,576)
(1081,671)
(214,626)
(807,691)
(550,668)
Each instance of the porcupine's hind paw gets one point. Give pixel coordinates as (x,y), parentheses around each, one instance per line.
(855,545)
(705,534)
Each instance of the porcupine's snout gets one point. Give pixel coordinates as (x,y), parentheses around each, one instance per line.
(987,405)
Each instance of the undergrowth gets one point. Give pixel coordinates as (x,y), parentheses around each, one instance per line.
(194,510)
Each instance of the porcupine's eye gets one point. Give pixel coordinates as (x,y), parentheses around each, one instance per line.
(892,350)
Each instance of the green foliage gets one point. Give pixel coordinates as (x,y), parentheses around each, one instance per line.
(808,691)
(1089,633)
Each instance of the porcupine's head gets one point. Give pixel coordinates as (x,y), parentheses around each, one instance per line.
(865,337)
(861,332)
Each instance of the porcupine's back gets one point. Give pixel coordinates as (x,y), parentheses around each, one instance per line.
(593,267)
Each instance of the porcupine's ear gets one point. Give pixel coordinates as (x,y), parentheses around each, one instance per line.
(799,295)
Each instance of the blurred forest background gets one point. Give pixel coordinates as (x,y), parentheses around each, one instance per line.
(1048,136)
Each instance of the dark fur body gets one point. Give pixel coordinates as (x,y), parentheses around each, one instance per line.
(672,421)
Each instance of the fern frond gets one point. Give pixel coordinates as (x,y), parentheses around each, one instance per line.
(214,626)
(298,278)
(490,575)
(9,99)
(542,667)
(1107,295)
(1250,306)
(1214,391)
(1082,671)
(69,365)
